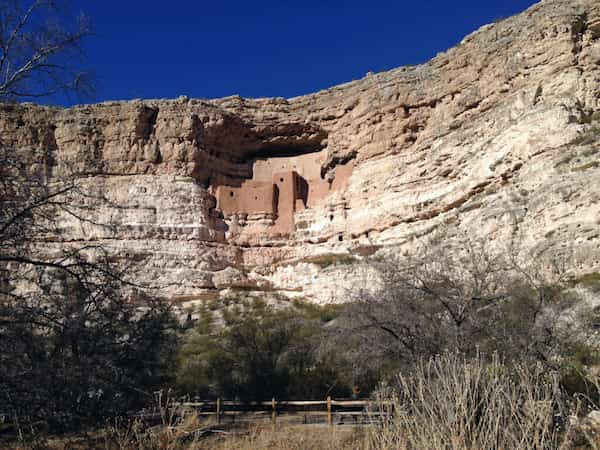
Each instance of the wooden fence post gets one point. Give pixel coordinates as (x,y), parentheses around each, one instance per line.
(329,418)
(273,410)
(218,411)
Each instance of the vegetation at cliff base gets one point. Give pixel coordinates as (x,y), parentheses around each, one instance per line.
(259,351)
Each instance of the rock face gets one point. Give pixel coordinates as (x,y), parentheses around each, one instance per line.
(496,137)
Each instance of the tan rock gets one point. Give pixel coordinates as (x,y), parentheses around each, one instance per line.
(493,138)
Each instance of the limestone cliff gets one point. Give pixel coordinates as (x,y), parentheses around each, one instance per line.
(497,136)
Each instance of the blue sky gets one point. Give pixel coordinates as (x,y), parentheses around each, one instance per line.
(207,49)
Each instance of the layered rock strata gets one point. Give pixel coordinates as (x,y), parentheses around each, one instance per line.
(495,138)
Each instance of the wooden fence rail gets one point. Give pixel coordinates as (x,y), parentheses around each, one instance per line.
(362,411)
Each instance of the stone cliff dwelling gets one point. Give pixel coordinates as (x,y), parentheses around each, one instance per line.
(280,186)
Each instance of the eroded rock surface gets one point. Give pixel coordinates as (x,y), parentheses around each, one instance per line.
(495,138)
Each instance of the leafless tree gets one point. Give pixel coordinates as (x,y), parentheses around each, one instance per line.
(462,297)
(38,52)
(73,345)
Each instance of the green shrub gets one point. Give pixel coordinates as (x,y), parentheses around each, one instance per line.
(566,160)
(589,137)
(575,370)
(331,259)
(254,351)
(590,165)
(590,281)
(312,311)
(366,250)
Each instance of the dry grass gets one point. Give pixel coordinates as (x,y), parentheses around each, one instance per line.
(183,435)
(445,403)
(453,403)
(180,428)
(300,437)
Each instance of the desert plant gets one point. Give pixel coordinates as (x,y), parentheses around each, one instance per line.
(254,351)
(460,297)
(453,402)
(331,259)
(179,429)
(588,137)
(589,281)
(590,165)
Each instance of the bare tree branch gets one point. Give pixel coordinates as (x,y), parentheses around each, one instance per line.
(37,56)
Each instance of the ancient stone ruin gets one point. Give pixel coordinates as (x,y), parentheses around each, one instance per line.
(280,187)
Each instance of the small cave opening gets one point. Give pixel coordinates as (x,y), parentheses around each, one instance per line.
(340,238)
(232,161)
(145,123)
(289,144)
(331,217)
(231,194)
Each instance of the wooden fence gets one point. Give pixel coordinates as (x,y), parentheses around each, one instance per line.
(330,411)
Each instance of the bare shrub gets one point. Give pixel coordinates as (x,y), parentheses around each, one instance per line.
(464,296)
(179,428)
(450,402)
